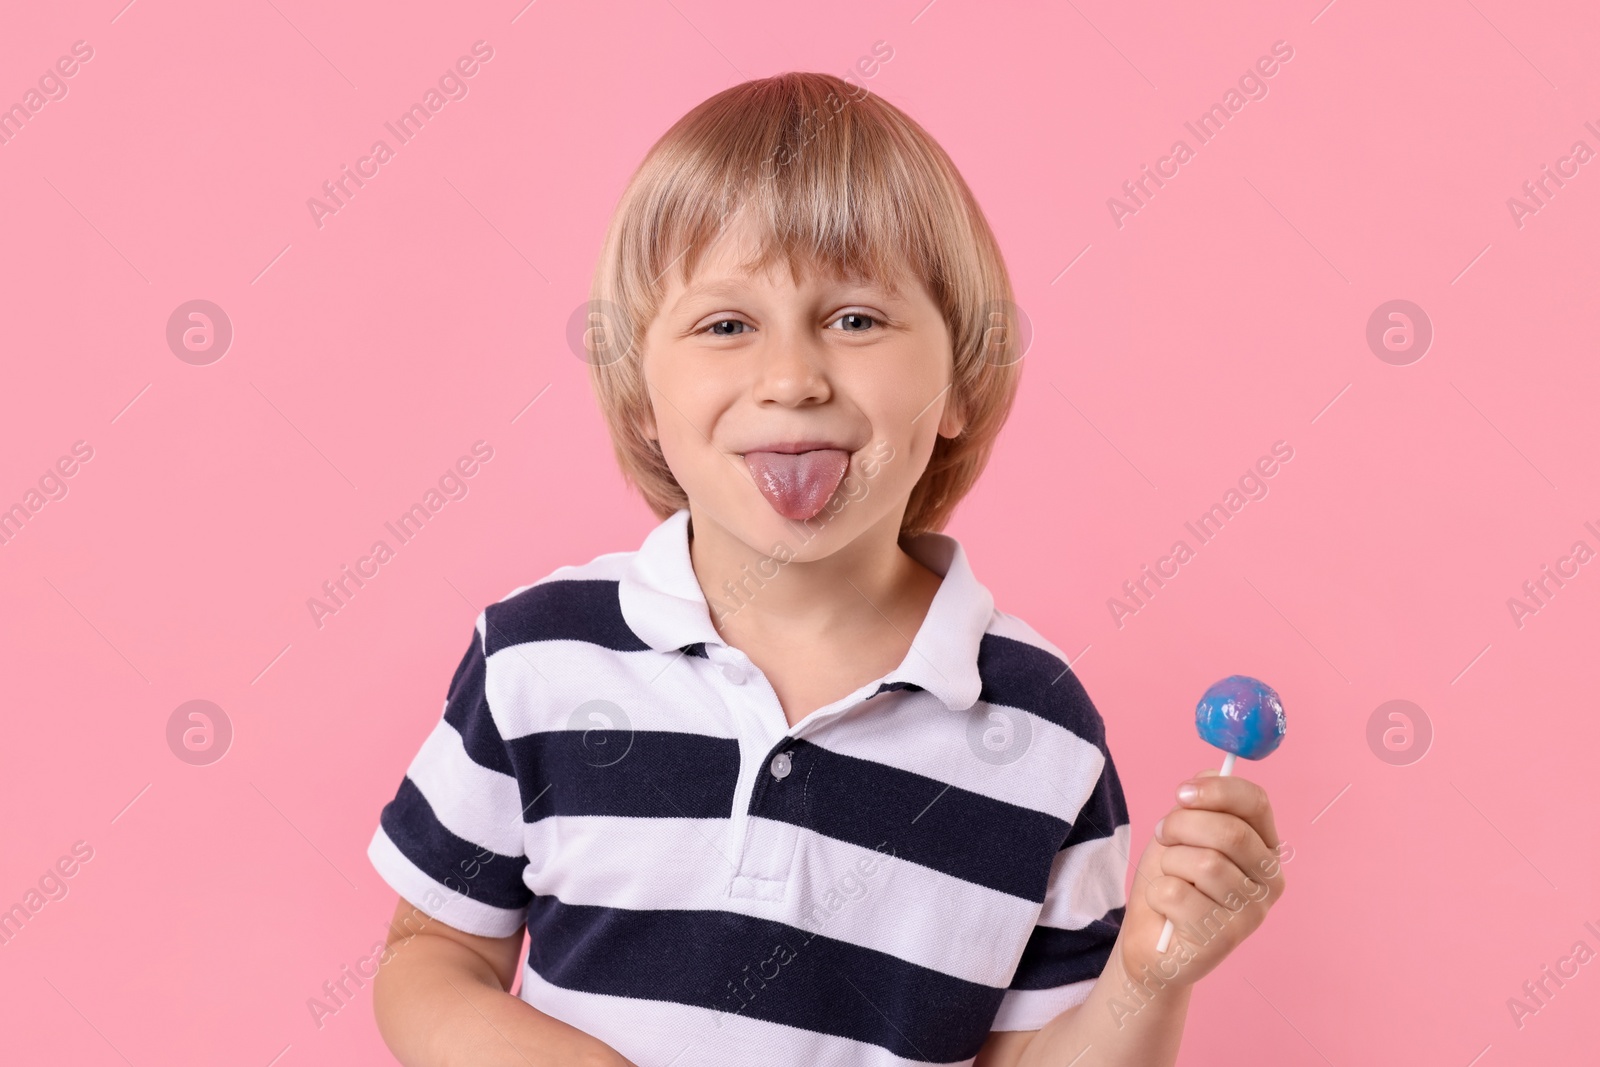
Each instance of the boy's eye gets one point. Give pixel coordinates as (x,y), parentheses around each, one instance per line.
(858,325)
(715,328)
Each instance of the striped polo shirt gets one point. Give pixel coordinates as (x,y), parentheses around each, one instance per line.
(936,855)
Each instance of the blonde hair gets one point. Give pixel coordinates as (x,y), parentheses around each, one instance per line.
(839,179)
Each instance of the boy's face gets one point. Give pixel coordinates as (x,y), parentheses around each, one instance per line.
(741,366)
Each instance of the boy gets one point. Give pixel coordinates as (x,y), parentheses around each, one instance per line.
(783,787)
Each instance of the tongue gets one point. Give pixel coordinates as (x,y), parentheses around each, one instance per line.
(797,486)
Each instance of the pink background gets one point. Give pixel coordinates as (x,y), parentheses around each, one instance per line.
(1227,314)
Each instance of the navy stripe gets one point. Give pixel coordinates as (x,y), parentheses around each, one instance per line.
(1104,811)
(764,970)
(639,773)
(949,829)
(458,864)
(1020,675)
(569,610)
(1055,957)
(467,709)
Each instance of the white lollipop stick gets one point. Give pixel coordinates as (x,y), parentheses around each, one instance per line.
(1166,931)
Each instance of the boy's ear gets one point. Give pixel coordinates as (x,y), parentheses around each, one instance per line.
(952,420)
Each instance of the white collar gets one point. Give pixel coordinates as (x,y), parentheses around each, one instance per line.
(663,604)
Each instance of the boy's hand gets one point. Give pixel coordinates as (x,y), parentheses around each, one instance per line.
(1211,867)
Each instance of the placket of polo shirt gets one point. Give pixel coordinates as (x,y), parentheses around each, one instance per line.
(769,846)
(765,848)
(761,855)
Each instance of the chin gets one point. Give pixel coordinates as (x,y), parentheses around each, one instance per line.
(823,533)
(766,531)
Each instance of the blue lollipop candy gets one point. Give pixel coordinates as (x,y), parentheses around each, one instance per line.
(1243,717)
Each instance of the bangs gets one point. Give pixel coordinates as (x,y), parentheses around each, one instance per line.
(827,179)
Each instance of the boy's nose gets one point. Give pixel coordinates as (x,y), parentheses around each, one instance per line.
(793,371)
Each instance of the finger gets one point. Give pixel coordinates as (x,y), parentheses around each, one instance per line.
(1215,875)
(1192,912)
(1238,796)
(1224,833)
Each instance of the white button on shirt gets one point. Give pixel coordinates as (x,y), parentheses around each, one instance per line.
(933,856)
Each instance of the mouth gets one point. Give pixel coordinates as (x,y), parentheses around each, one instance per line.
(798,478)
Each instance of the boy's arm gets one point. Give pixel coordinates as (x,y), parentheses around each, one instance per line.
(453,839)
(441,1000)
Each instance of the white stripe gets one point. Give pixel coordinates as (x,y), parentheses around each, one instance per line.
(536,686)
(471,801)
(436,899)
(1032,1009)
(667,1034)
(1086,881)
(1055,773)
(831,887)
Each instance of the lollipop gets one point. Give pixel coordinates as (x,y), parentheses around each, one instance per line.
(1243,717)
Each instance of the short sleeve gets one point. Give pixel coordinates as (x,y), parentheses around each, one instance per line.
(451,841)
(1082,913)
